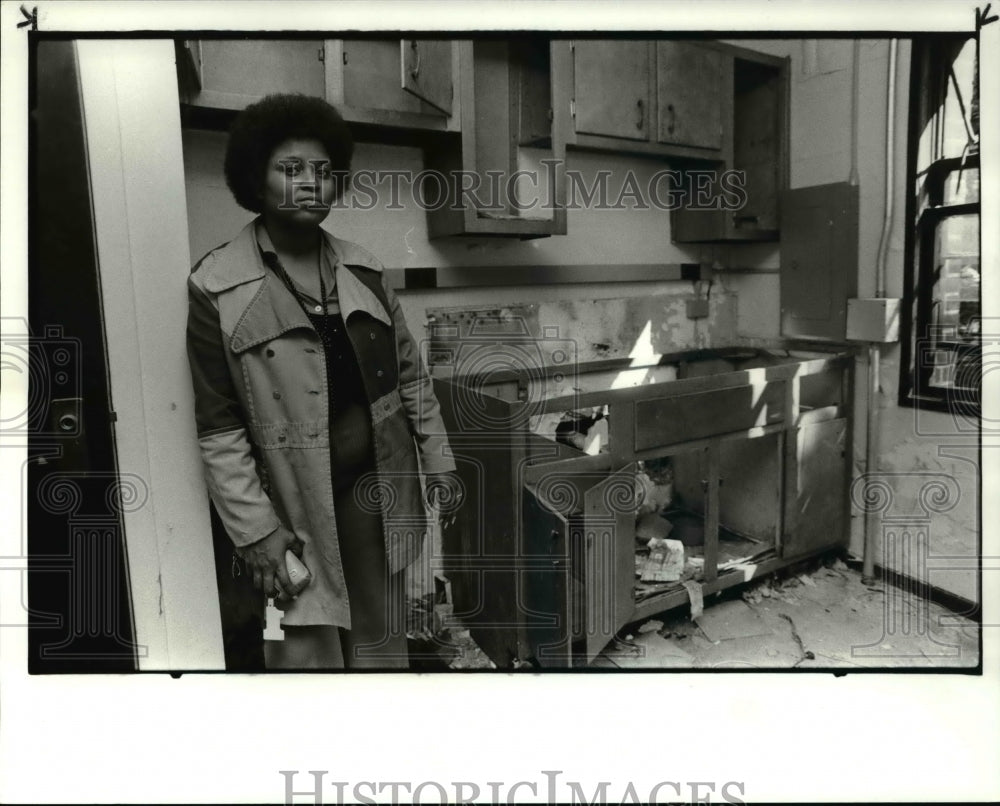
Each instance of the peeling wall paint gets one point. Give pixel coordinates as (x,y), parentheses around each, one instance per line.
(629,327)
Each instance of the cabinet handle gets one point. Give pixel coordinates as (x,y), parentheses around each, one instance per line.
(416,66)
(642,114)
(673,119)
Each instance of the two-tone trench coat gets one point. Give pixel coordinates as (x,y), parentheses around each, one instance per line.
(262,412)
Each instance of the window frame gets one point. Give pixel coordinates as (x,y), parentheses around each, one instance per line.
(918,336)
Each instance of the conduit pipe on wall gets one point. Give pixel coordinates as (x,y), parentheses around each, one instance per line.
(871,460)
(855,81)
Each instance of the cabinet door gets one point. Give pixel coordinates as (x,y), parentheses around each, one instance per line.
(816,492)
(364,79)
(426,71)
(611,87)
(689,95)
(237,72)
(605,542)
(548,595)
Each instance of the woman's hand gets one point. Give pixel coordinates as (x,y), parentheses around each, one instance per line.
(266,561)
(445,493)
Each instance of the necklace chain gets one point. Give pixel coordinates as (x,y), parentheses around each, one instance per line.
(324,330)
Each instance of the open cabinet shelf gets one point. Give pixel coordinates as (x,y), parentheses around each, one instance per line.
(542,558)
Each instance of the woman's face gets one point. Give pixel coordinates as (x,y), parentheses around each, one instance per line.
(298,183)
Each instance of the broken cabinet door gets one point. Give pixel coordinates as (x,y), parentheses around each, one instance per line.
(816,484)
(546,587)
(426,71)
(605,546)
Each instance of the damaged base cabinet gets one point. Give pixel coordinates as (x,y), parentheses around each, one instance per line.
(542,557)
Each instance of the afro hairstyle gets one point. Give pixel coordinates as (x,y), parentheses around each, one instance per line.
(264,125)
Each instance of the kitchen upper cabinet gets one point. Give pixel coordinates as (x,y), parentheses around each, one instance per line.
(510,159)
(646,97)
(611,81)
(406,84)
(755,137)
(233,73)
(689,95)
(427,72)
(401,83)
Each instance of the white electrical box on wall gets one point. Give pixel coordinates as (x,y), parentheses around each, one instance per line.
(874,320)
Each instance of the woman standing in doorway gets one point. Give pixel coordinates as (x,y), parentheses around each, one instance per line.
(314,411)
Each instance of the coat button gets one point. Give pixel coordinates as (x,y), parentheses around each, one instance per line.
(277,395)
(379,373)
(318,309)
(270,353)
(371,335)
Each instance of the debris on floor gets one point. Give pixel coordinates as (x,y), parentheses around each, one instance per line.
(822,618)
(732,619)
(665,562)
(647,650)
(437,642)
(695,597)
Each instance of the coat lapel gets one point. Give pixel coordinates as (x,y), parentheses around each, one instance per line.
(272,309)
(353,295)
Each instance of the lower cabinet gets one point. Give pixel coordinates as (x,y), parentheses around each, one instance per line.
(544,560)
